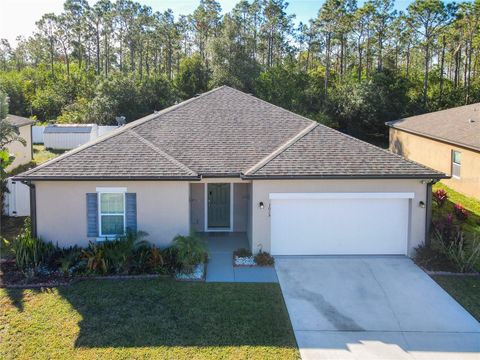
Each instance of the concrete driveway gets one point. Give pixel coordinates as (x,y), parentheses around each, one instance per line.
(373,308)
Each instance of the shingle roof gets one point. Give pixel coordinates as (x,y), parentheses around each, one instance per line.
(332,154)
(225,132)
(460,125)
(18,120)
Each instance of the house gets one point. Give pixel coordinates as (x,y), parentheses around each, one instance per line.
(447,140)
(23,154)
(226,161)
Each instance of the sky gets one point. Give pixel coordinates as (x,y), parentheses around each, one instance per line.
(18,17)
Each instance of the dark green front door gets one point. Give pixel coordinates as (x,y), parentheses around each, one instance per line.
(218,206)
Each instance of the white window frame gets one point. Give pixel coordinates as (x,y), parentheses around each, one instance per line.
(110,190)
(455,164)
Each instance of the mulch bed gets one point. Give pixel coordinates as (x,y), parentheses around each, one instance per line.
(11,277)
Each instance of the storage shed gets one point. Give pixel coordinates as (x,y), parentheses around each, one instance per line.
(69,136)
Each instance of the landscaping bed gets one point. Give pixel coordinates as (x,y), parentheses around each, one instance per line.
(245,258)
(454,244)
(150,319)
(33,262)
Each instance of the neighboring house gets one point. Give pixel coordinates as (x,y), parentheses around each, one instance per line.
(23,154)
(226,161)
(448,141)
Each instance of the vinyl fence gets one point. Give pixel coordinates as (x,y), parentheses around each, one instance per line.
(17,200)
(37,134)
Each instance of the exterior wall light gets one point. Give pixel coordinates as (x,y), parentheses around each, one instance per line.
(261,205)
(421,204)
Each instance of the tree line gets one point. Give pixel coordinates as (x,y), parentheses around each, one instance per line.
(352,67)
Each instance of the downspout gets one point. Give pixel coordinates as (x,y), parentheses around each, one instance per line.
(33,207)
(428,208)
(31,143)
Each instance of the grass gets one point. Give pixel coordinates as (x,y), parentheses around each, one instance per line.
(9,229)
(469,203)
(464,289)
(159,319)
(41,155)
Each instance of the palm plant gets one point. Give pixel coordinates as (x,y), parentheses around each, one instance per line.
(191,251)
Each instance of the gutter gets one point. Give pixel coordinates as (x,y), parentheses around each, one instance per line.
(343,177)
(107,178)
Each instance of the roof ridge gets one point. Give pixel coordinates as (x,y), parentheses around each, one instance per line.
(381,149)
(161,152)
(270,104)
(392,122)
(284,146)
(118,131)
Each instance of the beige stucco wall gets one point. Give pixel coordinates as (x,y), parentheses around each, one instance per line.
(240,205)
(23,154)
(197,206)
(262,188)
(162,209)
(438,155)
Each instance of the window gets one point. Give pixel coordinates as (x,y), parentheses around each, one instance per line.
(456,162)
(111,213)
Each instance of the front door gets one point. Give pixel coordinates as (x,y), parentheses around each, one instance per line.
(218,206)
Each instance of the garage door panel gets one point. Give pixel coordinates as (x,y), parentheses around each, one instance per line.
(339,226)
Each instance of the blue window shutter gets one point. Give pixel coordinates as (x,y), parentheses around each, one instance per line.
(131,211)
(92,214)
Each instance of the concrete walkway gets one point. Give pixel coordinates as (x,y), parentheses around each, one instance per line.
(373,308)
(220,265)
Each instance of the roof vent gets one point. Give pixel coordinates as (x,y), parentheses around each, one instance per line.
(121,120)
(471,121)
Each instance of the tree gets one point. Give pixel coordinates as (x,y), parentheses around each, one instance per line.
(427,18)
(192,78)
(231,63)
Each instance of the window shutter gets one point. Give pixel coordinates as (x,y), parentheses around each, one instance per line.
(131,211)
(92,214)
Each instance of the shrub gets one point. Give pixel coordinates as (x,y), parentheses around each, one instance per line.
(460,212)
(264,259)
(444,229)
(440,196)
(69,260)
(126,254)
(242,253)
(191,251)
(95,256)
(170,258)
(464,258)
(30,252)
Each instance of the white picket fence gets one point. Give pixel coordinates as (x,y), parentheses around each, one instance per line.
(69,140)
(17,199)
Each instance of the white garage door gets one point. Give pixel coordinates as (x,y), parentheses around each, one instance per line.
(339,223)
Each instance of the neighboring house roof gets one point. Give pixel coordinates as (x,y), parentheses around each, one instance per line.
(225,132)
(459,126)
(70,129)
(18,121)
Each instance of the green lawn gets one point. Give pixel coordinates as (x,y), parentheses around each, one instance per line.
(465,289)
(158,319)
(469,203)
(41,155)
